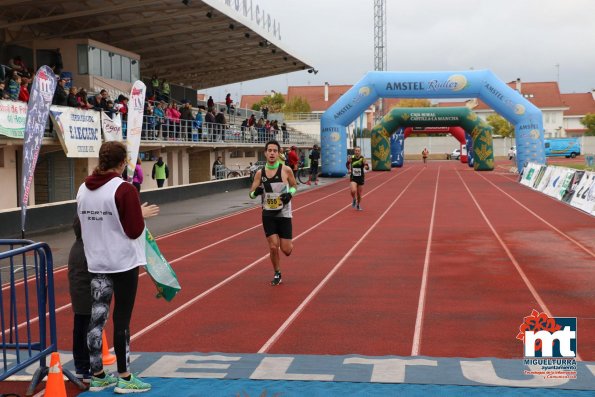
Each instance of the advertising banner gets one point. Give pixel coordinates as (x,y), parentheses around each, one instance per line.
(42,92)
(136,107)
(79,130)
(13,115)
(555,181)
(584,197)
(112,127)
(545,179)
(529,174)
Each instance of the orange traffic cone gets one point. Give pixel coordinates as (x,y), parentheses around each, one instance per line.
(107,357)
(55,384)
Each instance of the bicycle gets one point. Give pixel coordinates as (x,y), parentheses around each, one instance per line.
(302,174)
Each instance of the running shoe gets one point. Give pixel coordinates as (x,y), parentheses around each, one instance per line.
(277,279)
(98,384)
(353,203)
(134,385)
(359,208)
(84,376)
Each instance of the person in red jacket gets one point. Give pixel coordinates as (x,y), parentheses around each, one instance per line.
(293,159)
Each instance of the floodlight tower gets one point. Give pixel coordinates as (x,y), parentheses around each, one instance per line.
(380,45)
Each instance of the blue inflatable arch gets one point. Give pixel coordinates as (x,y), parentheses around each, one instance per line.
(482,84)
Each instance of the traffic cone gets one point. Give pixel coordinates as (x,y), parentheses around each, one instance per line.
(107,357)
(55,383)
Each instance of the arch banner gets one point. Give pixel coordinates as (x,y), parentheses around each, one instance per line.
(483,84)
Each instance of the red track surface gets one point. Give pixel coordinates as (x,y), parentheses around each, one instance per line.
(373,282)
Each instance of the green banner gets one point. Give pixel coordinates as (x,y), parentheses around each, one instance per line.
(160,271)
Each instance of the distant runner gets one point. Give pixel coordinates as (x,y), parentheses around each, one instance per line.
(356,165)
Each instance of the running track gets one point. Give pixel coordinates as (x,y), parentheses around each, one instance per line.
(442,262)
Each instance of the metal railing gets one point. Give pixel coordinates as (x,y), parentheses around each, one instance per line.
(31,309)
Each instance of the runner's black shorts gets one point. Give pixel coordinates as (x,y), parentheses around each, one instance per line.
(277,225)
(357,179)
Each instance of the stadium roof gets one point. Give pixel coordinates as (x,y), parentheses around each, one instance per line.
(198,43)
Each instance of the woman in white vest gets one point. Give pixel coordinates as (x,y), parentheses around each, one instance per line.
(112,223)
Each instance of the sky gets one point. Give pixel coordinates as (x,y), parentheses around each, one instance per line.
(534,40)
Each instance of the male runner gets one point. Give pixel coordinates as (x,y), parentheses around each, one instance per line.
(356,165)
(277,185)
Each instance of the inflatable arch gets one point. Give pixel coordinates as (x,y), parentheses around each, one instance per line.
(483,84)
(397,141)
(480,132)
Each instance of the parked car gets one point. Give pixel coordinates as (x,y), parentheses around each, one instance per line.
(456,154)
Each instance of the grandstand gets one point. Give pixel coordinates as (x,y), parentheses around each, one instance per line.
(107,45)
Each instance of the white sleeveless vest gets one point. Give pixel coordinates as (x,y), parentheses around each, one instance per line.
(107,247)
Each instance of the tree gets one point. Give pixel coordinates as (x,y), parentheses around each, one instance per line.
(414,103)
(274,102)
(297,105)
(500,126)
(589,122)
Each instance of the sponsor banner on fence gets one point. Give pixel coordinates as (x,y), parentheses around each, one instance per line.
(79,130)
(540,173)
(13,115)
(584,196)
(112,127)
(576,179)
(545,179)
(42,92)
(529,174)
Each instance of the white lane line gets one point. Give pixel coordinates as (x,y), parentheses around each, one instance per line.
(275,337)
(235,275)
(524,277)
(424,279)
(66,306)
(560,232)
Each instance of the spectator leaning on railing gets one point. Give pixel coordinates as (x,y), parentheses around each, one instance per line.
(71,100)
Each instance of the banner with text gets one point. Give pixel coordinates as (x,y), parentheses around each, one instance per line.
(79,130)
(42,92)
(13,115)
(112,127)
(136,107)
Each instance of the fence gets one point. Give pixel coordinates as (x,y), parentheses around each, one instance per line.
(23,308)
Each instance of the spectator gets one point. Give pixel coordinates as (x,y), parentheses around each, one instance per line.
(228,103)
(285,133)
(148,122)
(81,98)
(96,103)
(2,93)
(220,125)
(14,87)
(159,115)
(60,96)
(260,130)
(210,124)
(24,91)
(187,119)
(251,120)
(511,153)
(71,100)
(173,120)
(121,106)
(155,85)
(17,64)
(275,129)
(216,170)
(114,249)
(160,172)
(104,98)
(265,112)
(110,111)
(314,159)
(165,90)
(137,178)
(210,104)
(293,159)
(79,281)
(198,120)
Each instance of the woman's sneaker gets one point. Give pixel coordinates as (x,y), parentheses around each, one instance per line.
(134,385)
(277,279)
(98,384)
(84,376)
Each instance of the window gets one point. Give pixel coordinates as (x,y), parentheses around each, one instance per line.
(135,71)
(116,66)
(250,153)
(236,154)
(94,61)
(106,64)
(82,52)
(2,158)
(125,69)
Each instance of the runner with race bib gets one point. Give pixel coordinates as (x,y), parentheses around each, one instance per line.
(276,183)
(356,165)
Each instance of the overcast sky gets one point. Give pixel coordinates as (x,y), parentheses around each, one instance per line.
(513,38)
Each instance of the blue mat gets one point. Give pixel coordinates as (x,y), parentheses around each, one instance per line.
(264,388)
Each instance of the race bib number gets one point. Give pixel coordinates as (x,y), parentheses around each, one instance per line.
(357,172)
(272,201)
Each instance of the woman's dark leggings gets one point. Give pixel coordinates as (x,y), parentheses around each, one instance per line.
(122,286)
